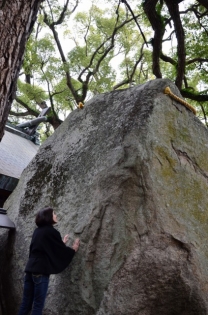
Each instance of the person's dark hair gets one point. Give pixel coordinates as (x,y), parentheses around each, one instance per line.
(44,217)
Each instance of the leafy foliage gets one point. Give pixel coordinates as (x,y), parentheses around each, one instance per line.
(74,54)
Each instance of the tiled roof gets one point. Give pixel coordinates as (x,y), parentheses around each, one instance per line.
(15,154)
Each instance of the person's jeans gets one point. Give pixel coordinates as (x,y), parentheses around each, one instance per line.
(34,294)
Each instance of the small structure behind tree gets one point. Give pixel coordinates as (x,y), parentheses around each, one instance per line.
(17,148)
(16,151)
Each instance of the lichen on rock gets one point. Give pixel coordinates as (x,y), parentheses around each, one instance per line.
(128,174)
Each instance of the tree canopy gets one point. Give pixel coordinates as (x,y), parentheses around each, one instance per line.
(74,54)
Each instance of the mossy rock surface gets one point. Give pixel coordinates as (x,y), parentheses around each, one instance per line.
(128,174)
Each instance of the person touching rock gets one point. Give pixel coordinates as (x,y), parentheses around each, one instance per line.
(48,255)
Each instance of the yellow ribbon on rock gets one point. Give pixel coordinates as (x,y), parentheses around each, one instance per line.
(167,91)
(80,105)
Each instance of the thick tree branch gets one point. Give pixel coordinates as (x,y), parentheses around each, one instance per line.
(200,60)
(159,29)
(189,62)
(24,114)
(30,110)
(181,52)
(194,96)
(168,59)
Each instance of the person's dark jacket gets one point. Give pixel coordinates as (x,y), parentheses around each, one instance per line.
(48,253)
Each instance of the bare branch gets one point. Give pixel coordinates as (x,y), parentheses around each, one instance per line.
(62,15)
(198,15)
(135,19)
(63,58)
(59,92)
(105,52)
(74,8)
(129,79)
(85,36)
(20,114)
(169,37)
(51,11)
(54,120)
(49,93)
(200,60)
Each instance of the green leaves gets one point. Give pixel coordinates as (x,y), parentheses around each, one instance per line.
(70,61)
(74,54)
(31,94)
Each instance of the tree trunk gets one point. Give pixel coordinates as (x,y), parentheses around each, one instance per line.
(17,18)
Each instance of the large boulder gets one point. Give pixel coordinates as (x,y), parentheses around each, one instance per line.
(128,174)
